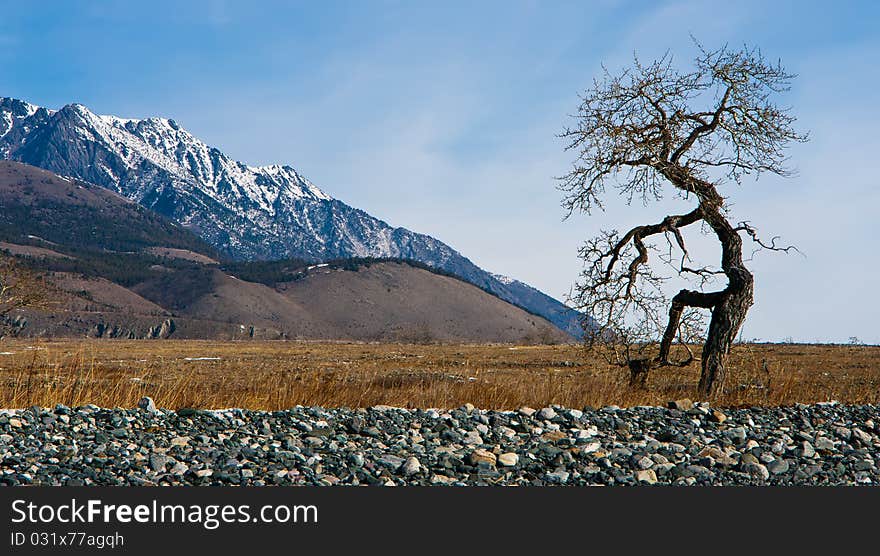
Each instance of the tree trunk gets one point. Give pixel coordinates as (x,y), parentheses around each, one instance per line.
(729,306)
(727,319)
(729,312)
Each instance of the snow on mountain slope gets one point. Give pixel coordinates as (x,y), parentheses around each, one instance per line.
(245,212)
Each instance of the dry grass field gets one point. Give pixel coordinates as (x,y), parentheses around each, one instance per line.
(278,375)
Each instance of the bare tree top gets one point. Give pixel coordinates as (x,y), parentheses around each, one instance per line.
(718,121)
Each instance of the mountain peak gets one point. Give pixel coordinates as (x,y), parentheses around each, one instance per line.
(18,106)
(129,145)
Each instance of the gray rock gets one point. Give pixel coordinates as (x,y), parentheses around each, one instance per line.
(547,413)
(179,468)
(157,462)
(557,477)
(391,462)
(472,438)
(663,469)
(862,436)
(644,462)
(863,465)
(146,403)
(807,450)
(756,471)
(824,444)
(778,466)
(411,466)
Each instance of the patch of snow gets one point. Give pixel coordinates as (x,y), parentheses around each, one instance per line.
(506,280)
(109,172)
(201,359)
(7,116)
(30,109)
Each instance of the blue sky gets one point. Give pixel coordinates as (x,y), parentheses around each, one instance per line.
(441,117)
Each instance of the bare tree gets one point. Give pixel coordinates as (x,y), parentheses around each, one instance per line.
(19,289)
(650,127)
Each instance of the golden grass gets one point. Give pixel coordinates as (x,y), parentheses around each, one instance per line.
(279,375)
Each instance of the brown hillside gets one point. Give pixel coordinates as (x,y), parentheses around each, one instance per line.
(394,301)
(128,273)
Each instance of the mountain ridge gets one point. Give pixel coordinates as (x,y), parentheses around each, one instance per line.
(244,212)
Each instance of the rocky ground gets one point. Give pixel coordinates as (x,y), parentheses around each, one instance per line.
(684,444)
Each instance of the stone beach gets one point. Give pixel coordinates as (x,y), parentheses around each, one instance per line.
(683,444)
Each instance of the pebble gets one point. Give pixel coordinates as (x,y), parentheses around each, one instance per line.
(644,462)
(547,414)
(862,436)
(807,450)
(180,441)
(482,456)
(473,438)
(717,416)
(557,477)
(757,471)
(681,405)
(508,459)
(147,404)
(553,436)
(411,466)
(157,462)
(824,444)
(778,466)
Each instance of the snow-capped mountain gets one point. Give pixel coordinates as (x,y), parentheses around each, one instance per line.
(245,212)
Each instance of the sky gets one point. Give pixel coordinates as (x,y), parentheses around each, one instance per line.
(443,118)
